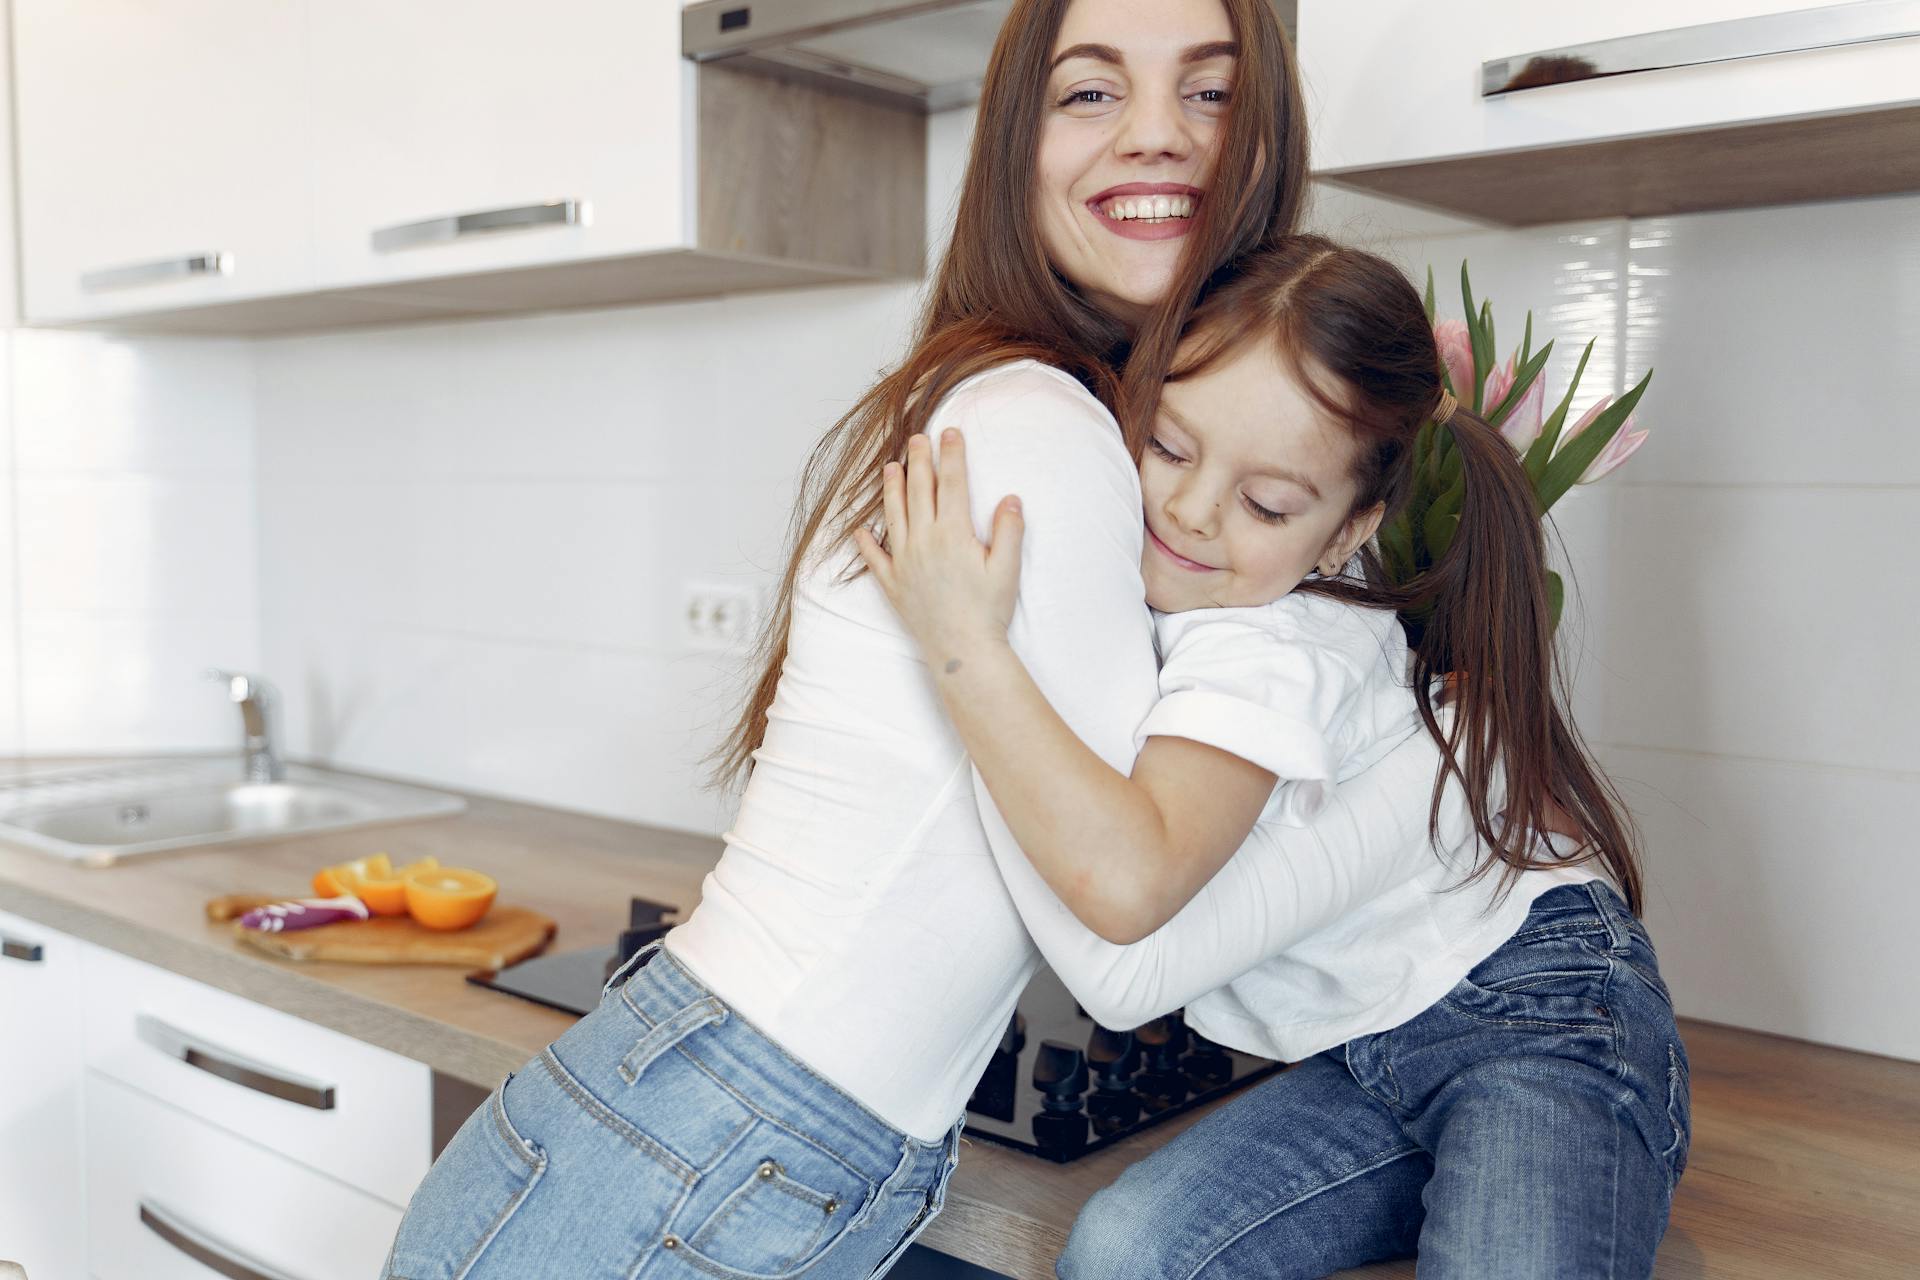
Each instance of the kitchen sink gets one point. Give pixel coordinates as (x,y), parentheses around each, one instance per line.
(97,816)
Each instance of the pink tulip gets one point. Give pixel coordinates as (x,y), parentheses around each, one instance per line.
(1522,426)
(1456,352)
(1618,450)
(1625,441)
(1499,382)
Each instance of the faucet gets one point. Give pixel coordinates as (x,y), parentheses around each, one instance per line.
(257,701)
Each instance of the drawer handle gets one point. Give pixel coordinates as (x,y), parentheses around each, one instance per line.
(410,235)
(202,1247)
(1862,22)
(232,1066)
(140,273)
(15,949)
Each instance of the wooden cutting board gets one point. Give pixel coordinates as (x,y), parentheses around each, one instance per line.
(504,936)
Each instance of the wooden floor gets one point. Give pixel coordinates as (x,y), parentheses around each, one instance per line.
(1805,1165)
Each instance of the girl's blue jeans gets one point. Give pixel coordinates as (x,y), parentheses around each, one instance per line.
(662,1137)
(1532,1124)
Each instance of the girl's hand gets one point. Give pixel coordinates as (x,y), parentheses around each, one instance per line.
(951,591)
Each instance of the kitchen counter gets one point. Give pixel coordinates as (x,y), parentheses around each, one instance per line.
(1802,1162)
(1005,1210)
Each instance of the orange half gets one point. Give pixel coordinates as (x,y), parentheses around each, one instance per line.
(387,895)
(345,877)
(448,897)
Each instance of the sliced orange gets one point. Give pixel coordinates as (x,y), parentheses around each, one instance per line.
(448,897)
(345,877)
(387,895)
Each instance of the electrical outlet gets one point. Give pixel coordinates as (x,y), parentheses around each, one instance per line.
(720,616)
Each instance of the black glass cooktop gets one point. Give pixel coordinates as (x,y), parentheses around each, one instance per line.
(1058,1085)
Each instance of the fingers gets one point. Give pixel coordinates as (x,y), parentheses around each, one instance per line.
(1003,557)
(878,561)
(893,502)
(954,505)
(920,496)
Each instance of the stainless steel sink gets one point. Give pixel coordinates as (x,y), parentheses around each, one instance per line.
(98,816)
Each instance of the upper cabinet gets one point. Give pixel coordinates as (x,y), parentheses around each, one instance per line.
(162,152)
(1524,112)
(245,166)
(460,135)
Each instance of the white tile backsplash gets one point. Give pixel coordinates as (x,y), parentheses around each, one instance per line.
(1780,895)
(99,402)
(1764,622)
(1784,343)
(136,543)
(95,683)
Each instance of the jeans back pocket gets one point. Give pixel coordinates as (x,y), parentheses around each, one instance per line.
(773,1206)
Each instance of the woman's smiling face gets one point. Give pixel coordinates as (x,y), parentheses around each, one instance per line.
(1136,101)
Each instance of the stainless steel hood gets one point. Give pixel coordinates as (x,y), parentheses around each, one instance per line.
(930,54)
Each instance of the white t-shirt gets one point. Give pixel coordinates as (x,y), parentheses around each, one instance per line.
(871,911)
(1315,691)
(1311,689)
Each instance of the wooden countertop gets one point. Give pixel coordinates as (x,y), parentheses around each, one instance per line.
(1804,1158)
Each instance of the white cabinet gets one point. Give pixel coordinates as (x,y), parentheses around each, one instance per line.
(160,141)
(353,1110)
(1395,101)
(42,1222)
(492,109)
(248,166)
(172,1198)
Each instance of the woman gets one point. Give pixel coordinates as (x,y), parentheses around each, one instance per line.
(778,1090)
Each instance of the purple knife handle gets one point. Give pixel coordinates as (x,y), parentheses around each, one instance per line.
(304,913)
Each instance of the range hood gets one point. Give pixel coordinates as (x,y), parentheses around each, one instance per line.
(928,54)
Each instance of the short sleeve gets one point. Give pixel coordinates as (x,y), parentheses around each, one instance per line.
(1256,684)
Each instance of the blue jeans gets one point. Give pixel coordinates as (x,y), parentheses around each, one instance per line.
(1531,1124)
(663,1137)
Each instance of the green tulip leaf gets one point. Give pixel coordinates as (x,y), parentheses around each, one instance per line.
(1522,381)
(1429,298)
(1564,471)
(1542,449)
(1556,598)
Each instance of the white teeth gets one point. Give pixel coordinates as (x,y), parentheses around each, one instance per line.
(1149,208)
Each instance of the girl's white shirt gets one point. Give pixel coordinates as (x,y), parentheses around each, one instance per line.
(873,914)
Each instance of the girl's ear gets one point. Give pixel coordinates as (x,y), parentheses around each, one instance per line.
(1350,537)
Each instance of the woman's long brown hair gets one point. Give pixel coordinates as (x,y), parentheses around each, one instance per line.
(1356,334)
(996,298)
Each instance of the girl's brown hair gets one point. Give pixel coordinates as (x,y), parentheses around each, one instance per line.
(996,298)
(1357,336)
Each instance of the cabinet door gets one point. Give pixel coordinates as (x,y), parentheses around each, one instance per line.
(162,153)
(42,1210)
(174,1198)
(1398,81)
(448,132)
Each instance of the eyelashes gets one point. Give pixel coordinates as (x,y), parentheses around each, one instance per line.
(1254,509)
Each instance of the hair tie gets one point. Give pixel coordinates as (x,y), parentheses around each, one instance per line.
(1443,412)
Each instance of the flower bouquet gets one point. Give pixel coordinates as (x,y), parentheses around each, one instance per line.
(1512,398)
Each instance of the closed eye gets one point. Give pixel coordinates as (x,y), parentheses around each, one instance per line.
(1261,513)
(1153,443)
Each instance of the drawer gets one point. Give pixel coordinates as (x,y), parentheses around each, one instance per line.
(171,1197)
(344,1107)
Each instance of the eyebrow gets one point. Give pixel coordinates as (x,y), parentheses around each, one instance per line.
(1107,53)
(1277,473)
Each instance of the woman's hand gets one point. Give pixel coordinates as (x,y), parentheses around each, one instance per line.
(951,591)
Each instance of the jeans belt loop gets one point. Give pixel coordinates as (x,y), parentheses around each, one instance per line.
(1619,940)
(628,965)
(668,1032)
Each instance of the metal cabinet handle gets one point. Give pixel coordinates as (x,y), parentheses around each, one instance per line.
(1862,22)
(16,949)
(229,1065)
(410,235)
(141,273)
(204,1248)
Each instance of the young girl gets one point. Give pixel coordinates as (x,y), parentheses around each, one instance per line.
(1466,1038)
